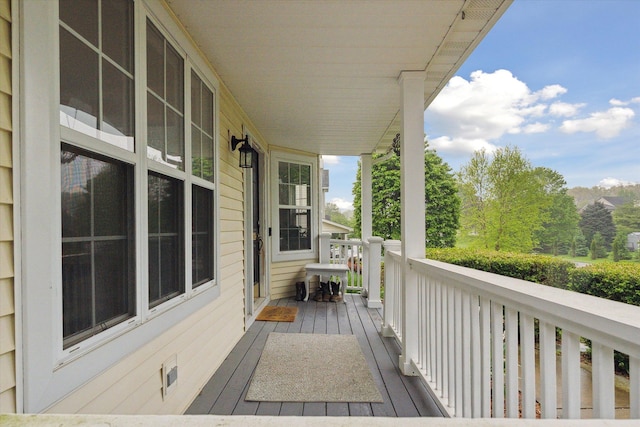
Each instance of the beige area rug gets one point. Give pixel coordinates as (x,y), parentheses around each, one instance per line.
(312,368)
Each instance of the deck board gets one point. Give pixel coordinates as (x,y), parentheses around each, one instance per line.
(225,392)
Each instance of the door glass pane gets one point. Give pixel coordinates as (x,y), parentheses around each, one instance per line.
(78,84)
(117,32)
(82,16)
(117,92)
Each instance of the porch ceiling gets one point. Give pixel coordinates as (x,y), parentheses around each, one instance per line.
(321,76)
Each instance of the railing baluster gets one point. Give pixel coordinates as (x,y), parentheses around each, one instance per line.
(439,329)
(432,331)
(476,357)
(485,356)
(451,347)
(602,381)
(634,391)
(570,375)
(511,328)
(548,382)
(527,360)
(497,368)
(466,355)
(458,353)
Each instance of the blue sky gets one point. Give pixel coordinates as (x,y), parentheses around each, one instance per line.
(559,79)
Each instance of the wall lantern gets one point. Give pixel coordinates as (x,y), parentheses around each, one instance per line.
(246,152)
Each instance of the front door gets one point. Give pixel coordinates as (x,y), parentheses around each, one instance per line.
(256,291)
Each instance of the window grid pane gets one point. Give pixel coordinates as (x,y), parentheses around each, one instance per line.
(96,96)
(98,244)
(294,195)
(202,235)
(201,129)
(165,86)
(166,238)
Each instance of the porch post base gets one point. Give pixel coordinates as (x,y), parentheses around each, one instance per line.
(387,331)
(406,367)
(372,303)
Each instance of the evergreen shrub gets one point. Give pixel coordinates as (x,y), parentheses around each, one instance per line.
(546,270)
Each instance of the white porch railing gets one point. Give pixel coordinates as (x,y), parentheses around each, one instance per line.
(363,260)
(480,334)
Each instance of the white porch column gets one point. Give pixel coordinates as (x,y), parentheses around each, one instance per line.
(366,205)
(366,216)
(373,268)
(412,205)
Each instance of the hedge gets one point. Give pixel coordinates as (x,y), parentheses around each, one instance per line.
(619,281)
(541,269)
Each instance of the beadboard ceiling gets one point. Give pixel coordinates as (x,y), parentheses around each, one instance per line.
(322,75)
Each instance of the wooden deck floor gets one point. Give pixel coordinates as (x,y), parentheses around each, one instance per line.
(403,396)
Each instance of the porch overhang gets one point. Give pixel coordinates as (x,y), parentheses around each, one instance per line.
(321,76)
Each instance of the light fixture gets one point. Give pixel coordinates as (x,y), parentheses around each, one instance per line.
(246,152)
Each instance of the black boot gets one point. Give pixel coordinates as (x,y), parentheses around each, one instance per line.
(326,292)
(335,290)
(301,291)
(322,288)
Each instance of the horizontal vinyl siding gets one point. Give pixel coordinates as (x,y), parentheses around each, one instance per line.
(202,342)
(284,276)
(8,402)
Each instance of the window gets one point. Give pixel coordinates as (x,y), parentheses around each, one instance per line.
(96,69)
(166,238)
(98,246)
(202,236)
(102,174)
(296,229)
(165,101)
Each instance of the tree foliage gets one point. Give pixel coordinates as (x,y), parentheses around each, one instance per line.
(332,213)
(594,219)
(560,216)
(627,218)
(504,200)
(442,204)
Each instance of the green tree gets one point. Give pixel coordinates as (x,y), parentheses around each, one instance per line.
(627,218)
(503,200)
(560,217)
(580,244)
(332,213)
(594,219)
(442,204)
(619,247)
(597,246)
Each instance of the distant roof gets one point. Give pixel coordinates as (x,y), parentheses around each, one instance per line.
(334,227)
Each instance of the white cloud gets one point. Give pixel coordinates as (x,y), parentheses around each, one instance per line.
(330,160)
(460,146)
(342,204)
(550,92)
(619,103)
(535,128)
(475,113)
(614,182)
(564,109)
(606,124)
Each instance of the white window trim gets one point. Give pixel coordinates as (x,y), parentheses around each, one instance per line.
(50,373)
(277,254)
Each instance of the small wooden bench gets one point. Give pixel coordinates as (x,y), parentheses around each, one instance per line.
(317,269)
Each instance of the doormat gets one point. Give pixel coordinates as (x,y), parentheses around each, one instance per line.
(275,313)
(312,368)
